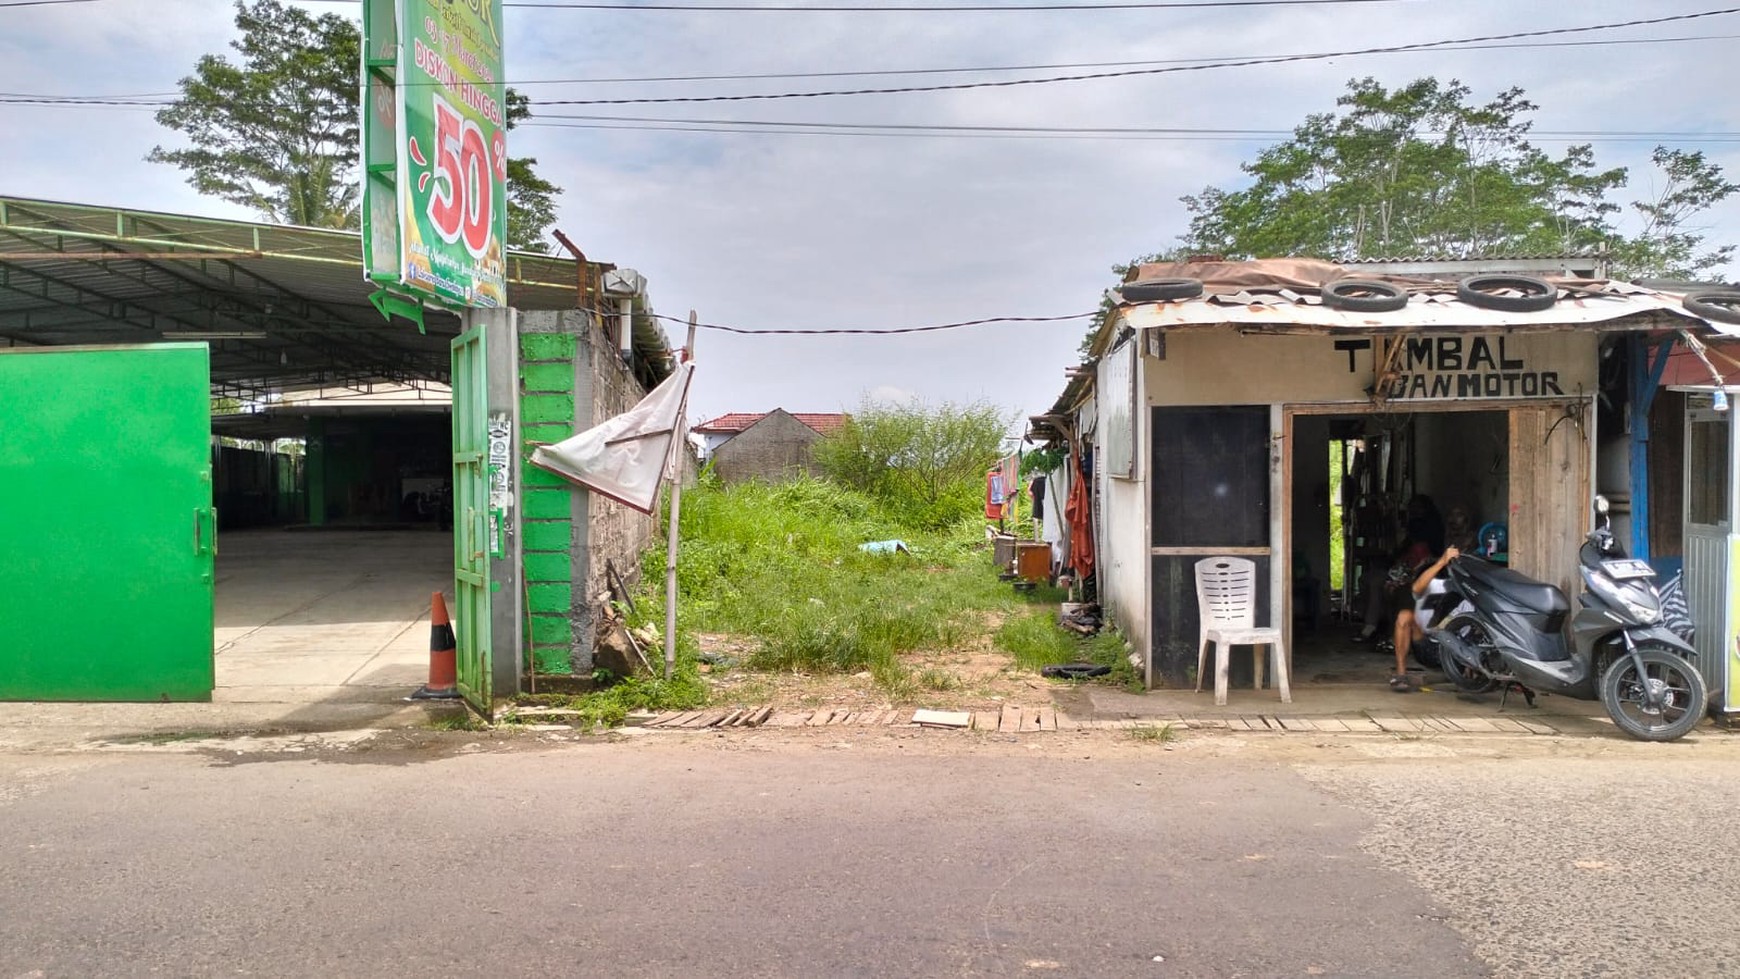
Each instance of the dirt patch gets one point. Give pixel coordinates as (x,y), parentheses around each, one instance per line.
(977,677)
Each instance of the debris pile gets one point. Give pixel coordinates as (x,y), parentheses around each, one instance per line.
(1082,618)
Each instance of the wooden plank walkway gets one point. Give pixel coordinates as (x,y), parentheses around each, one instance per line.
(1047,719)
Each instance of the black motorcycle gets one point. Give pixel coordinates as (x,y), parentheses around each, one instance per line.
(1510,633)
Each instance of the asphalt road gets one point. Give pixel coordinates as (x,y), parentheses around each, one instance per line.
(878,856)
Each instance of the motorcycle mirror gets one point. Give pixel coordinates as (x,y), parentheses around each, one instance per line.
(1601,505)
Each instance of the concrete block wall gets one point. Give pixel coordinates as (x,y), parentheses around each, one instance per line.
(774,449)
(571,378)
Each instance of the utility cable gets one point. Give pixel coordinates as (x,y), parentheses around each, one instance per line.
(856,332)
(1246,63)
(876,72)
(152,99)
(911,8)
(1087,130)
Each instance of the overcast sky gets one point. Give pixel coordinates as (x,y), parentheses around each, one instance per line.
(823,231)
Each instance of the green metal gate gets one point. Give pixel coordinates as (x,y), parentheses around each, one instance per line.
(472,527)
(106,523)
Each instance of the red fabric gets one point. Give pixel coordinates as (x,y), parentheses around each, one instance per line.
(994,495)
(1077,513)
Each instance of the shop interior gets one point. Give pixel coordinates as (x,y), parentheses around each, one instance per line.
(1367,488)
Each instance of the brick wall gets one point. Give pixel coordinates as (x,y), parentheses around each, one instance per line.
(571,378)
(776,448)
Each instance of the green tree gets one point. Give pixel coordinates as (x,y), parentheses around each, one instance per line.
(276,129)
(1424,170)
(928,461)
(276,132)
(1669,245)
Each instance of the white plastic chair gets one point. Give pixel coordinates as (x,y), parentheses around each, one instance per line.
(1226,599)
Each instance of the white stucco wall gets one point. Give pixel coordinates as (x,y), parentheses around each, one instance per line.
(1123,524)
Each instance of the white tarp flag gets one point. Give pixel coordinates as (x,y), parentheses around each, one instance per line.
(624,458)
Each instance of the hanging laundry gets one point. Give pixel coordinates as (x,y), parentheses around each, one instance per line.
(1010,467)
(994,495)
(1078,513)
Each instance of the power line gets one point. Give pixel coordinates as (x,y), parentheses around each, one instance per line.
(882,332)
(956,8)
(1246,63)
(167,98)
(1096,130)
(41,3)
(771,127)
(768,76)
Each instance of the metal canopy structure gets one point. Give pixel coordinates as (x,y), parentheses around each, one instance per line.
(284,308)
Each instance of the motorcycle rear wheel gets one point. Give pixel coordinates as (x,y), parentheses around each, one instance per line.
(1622,693)
(1471,632)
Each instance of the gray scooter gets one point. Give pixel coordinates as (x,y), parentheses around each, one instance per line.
(1510,632)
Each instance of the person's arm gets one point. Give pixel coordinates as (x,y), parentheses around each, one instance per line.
(1425,579)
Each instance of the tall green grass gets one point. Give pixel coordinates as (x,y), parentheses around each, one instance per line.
(780,564)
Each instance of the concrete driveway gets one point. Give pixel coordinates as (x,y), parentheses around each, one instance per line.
(312,616)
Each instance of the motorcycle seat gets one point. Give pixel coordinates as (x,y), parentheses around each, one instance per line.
(1537,596)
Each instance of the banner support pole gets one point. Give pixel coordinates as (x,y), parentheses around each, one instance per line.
(679,435)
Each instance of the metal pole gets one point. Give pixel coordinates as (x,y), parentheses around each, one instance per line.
(678,434)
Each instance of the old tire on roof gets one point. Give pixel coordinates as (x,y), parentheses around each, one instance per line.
(1720,305)
(1480,290)
(1364,296)
(1160,290)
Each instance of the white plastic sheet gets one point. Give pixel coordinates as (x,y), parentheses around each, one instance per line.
(624,458)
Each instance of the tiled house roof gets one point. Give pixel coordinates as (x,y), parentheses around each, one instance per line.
(737,421)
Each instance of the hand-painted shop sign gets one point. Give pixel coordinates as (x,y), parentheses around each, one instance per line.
(434,149)
(1451,368)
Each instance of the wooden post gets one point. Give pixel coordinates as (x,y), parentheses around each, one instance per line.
(678,435)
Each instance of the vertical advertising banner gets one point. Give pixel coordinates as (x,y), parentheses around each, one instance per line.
(448,118)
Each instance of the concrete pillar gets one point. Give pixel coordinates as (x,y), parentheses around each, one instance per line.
(501,353)
(315,473)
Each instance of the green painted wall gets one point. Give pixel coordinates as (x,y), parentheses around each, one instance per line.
(547,414)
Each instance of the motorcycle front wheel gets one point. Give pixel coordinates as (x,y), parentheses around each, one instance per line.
(1683,696)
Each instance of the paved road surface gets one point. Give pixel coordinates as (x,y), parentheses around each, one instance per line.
(881,855)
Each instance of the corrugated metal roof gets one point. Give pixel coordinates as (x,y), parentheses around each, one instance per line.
(285,307)
(1583,256)
(1606,304)
(1281,296)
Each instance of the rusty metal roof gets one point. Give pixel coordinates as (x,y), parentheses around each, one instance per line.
(1595,305)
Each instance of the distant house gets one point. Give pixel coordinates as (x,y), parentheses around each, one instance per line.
(770,446)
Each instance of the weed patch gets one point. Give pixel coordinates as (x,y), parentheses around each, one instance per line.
(610,706)
(1163,734)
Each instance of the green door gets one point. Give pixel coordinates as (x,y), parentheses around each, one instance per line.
(471,519)
(106,523)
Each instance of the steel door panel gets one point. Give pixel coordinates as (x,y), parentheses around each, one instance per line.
(471,613)
(106,523)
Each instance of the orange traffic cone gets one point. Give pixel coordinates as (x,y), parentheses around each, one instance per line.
(443,656)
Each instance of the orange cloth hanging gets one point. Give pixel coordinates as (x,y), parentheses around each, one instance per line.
(1078,514)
